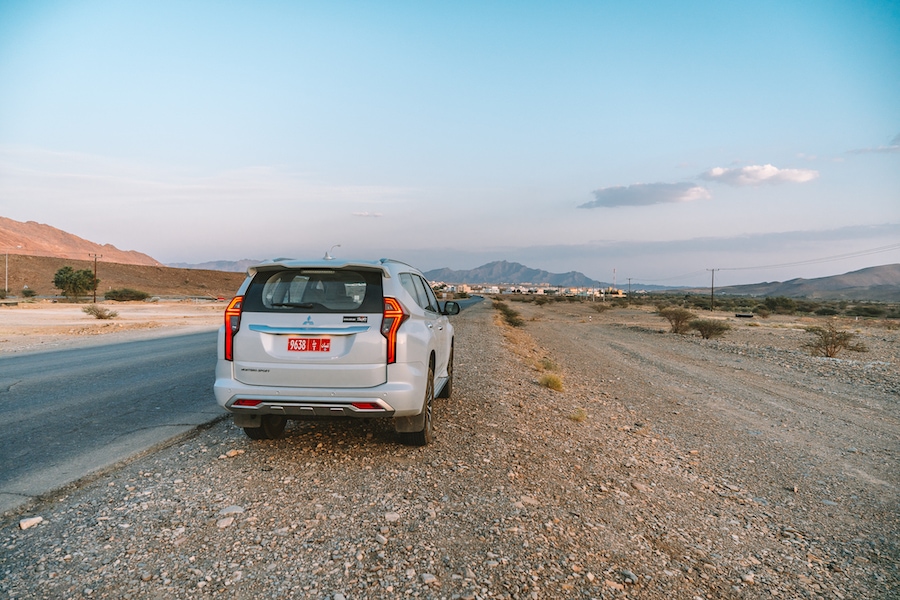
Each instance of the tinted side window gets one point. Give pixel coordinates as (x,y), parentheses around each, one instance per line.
(432,300)
(315,291)
(419,290)
(406,280)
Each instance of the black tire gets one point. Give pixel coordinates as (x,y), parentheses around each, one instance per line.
(271,427)
(448,387)
(426,435)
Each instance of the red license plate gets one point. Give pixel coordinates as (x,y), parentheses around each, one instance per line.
(309,345)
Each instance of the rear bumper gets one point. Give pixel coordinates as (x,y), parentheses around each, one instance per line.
(402,396)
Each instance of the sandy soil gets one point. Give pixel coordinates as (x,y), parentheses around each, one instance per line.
(37,326)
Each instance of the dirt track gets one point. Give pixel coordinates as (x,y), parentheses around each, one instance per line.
(668,467)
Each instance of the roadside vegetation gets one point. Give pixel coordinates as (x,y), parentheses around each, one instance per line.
(74,284)
(99,312)
(759,307)
(551,381)
(829,341)
(709,328)
(511,316)
(126,295)
(678,318)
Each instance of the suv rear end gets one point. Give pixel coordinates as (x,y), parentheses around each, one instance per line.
(334,338)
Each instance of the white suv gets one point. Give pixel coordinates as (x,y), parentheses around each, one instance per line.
(335,338)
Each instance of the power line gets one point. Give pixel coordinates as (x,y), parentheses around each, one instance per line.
(683,276)
(814,261)
(811,261)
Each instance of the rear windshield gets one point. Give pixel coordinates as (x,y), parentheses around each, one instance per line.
(315,291)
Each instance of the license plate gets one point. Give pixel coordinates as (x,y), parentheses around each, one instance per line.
(309,345)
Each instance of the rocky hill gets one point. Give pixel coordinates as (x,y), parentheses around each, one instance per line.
(503,272)
(874,283)
(36,272)
(37,239)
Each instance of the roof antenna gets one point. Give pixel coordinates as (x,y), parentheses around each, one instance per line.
(328,255)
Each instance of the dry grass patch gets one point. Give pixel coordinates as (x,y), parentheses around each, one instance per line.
(579,416)
(551,381)
(99,312)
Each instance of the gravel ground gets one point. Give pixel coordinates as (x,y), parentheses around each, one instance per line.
(667,467)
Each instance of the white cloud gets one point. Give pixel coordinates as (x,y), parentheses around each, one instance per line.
(367,214)
(645,194)
(758,174)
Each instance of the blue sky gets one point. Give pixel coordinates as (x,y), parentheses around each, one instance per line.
(658,139)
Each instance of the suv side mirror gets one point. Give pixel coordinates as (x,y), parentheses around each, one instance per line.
(450,308)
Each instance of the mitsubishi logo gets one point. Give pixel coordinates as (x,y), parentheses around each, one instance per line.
(308,320)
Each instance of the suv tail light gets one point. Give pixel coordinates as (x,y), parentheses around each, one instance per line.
(232,324)
(393,317)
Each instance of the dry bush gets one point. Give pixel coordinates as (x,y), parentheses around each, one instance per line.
(709,328)
(830,341)
(554,382)
(99,312)
(677,317)
(579,416)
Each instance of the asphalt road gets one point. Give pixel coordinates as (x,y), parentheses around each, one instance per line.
(68,413)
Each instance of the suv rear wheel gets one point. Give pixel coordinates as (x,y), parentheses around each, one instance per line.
(271,427)
(426,435)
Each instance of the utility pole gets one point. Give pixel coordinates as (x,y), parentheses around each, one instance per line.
(629,290)
(96,256)
(712,290)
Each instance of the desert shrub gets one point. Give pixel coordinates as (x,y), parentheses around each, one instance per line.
(806,306)
(708,328)
(762,311)
(827,311)
(541,300)
(2,294)
(511,316)
(699,302)
(677,317)
(867,310)
(125,295)
(99,312)
(830,341)
(28,293)
(781,305)
(600,307)
(551,381)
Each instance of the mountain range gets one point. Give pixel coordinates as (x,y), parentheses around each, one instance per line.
(873,283)
(502,272)
(37,239)
(880,283)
